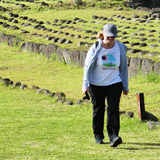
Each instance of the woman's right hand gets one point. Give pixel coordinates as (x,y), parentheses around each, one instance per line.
(84,90)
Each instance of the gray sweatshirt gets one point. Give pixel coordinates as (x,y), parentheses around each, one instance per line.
(91,61)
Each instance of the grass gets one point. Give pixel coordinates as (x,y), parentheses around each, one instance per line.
(36,127)
(48,14)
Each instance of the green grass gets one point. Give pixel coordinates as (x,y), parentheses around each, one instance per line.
(36,127)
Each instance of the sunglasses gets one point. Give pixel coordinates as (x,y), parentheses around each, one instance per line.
(110,37)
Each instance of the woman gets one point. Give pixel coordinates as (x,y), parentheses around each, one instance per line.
(105,77)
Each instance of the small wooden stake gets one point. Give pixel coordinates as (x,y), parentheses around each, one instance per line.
(141,106)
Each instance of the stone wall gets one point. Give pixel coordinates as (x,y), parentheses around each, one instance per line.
(135,65)
(143,3)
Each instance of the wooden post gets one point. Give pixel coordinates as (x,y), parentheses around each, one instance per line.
(141,106)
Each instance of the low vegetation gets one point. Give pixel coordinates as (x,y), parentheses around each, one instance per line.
(35,126)
(36,23)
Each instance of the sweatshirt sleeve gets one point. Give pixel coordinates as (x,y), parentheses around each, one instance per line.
(124,67)
(87,66)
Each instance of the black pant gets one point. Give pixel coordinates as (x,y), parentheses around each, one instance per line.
(112,94)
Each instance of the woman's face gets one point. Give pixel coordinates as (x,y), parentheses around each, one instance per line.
(108,39)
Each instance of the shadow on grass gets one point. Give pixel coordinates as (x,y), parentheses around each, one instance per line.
(148,146)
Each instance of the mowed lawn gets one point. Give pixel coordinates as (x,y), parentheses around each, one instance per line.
(36,127)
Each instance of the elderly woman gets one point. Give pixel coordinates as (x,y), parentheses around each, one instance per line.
(105,77)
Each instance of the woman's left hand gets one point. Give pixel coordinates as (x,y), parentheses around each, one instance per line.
(125,92)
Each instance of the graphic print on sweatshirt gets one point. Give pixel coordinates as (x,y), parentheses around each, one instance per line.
(108,61)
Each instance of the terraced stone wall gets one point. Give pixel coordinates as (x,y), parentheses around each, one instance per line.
(136,65)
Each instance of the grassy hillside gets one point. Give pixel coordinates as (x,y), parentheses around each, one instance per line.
(36,23)
(37,127)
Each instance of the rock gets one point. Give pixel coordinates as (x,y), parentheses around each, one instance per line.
(146,66)
(23,86)
(69,103)
(133,51)
(154,53)
(17,84)
(135,44)
(59,95)
(153,45)
(79,101)
(156,67)
(88,31)
(143,44)
(134,66)
(143,52)
(135,16)
(59,100)
(130,114)
(68,42)
(40,91)
(14,27)
(153,125)
(52,94)
(34,88)
(122,112)
(143,39)
(95,17)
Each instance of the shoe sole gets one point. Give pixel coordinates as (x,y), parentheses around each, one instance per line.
(116,142)
(100,142)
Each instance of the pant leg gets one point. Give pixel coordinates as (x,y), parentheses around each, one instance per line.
(98,101)
(113,94)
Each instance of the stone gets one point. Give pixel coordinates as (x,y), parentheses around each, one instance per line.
(68,42)
(82,58)
(17,84)
(60,54)
(23,86)
(134,66)
(55,39)
(59,95)
(93,38)
(142,21)
(146,66)
(35,88)
(52,94)
(135,44)
(62,40)
(130,114)
(50,49)
(79,101)
(156,67)
(154,53)
(55,20)
(154,45)
(14,27)
(69,103)
(66,53)
(126,42)
(23,31)
(78,2)
(143,39)
(59,100)
(77,36)
(40,91)
(10,19)
(135,16)
(153,125)
(143,44)
(143,52)
(75,57)
(88,31)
